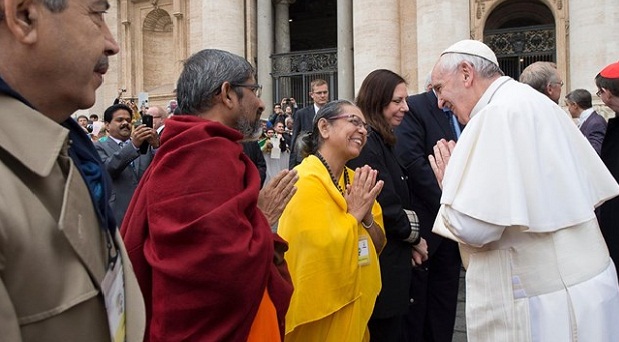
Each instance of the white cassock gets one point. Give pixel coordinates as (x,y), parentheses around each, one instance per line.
(519,195)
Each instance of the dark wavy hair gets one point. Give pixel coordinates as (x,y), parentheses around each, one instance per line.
(375,94)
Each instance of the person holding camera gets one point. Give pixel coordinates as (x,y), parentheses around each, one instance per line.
(277,113)
(126,154)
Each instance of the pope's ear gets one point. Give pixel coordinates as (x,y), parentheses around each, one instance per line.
(22,18)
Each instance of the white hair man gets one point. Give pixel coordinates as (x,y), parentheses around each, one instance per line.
(526,226)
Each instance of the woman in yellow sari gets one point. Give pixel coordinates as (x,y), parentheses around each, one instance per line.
(334,228)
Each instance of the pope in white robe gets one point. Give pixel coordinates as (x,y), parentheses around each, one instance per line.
(519,196)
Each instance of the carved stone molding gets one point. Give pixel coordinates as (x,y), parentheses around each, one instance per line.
(305,62)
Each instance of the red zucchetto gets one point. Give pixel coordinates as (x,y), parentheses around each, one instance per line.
(610,71)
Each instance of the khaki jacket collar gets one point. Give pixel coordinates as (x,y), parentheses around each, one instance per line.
(37,148)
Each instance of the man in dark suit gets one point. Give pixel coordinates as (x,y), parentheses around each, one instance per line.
(591,124)
(121,155)
(304,117)
(607,82)
(434,286)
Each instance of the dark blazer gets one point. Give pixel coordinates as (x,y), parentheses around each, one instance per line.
(594,129)
(609,211)
(125,176)
(421,128)
(253,151)
(395,259)
(303,122)
(434,285)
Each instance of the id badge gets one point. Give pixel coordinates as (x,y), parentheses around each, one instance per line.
(364,251)
(113,286)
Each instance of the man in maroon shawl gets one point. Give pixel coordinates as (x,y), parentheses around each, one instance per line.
(198,227)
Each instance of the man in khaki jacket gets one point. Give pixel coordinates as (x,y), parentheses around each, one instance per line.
(61,258)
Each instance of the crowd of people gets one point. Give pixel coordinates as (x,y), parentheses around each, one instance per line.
(154,228)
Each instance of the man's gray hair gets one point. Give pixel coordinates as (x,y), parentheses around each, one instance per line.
(54,6)
(203,75)
(539,75)
(486,69)
(581,97)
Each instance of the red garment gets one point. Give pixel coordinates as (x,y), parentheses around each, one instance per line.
(202,251)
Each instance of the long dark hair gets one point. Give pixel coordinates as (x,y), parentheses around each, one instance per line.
(375,94)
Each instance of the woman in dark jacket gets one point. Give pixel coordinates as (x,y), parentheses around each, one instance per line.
(382,99)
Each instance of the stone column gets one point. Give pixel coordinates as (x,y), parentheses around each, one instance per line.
(282,25)
(439,24)
(265,49)
(282,42)
(180,35)
(345,60)
(376,37)
(593,26)
(223,26)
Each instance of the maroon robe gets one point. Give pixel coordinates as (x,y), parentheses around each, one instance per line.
(202,251)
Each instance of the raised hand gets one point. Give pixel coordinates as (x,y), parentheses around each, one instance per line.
(440,159)
(276,194)
(360,195)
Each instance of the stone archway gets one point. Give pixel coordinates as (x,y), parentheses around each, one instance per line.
(157,47)
(522,32)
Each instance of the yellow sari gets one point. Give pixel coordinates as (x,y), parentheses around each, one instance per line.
(334,287)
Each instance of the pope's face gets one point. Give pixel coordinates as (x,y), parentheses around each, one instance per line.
(449,87)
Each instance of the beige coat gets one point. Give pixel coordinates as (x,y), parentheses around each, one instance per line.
(52,250)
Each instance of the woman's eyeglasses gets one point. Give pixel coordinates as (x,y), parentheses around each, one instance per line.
(353,119)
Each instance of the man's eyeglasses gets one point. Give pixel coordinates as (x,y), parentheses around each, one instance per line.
(560,83)
(353,119)
(599,92)
(256,88)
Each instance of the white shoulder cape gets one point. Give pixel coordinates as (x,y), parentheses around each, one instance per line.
(522,161)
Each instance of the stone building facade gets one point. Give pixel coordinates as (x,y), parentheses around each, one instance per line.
(292,42)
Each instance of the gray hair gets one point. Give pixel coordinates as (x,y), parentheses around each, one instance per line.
(311,142)
(203,75)
(486,69)
(54,6)
(581,97)
(539,75)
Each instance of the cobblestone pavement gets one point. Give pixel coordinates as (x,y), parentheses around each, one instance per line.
(460,327)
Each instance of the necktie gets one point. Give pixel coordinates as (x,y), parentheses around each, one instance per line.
(453,123)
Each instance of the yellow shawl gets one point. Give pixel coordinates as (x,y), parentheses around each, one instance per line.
(333,295)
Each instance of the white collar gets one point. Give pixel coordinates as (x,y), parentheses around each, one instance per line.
(585,115)
(487,96)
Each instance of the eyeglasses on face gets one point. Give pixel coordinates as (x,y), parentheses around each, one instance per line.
(256,88)
(353,119)
(560,83)
(599,92)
